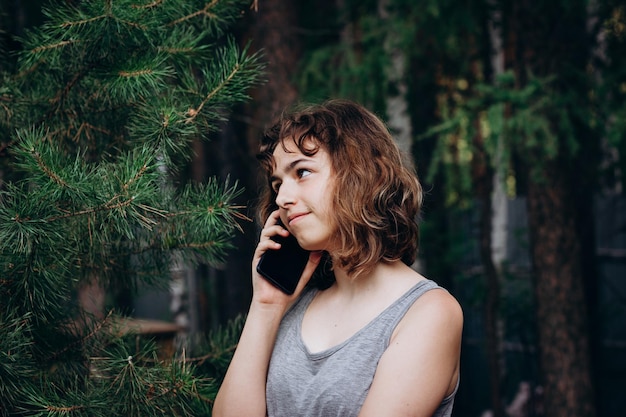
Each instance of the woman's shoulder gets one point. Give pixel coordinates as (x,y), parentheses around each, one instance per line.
(433,305)
(434,309)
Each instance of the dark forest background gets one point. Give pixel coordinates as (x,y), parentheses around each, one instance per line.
(515,115)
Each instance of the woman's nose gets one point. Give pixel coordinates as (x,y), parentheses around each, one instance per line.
(285,196)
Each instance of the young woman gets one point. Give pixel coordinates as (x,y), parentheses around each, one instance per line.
(377,338)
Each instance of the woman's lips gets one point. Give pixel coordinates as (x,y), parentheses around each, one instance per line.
(296,217)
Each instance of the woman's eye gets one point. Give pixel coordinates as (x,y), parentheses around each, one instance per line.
(276,187)
(303,173)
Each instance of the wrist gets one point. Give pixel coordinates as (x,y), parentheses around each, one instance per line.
(262,307)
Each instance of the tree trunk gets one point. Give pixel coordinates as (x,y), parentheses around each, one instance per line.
(483,178)
(436,231)
(550,39)
(559,296)
(493,225)
(398,118)
(273,29)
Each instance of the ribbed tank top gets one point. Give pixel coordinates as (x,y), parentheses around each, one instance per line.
(333,382)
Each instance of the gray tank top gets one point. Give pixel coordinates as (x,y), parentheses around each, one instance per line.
(333,382)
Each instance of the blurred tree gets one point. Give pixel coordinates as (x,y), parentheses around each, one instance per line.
(96,120)
(536,123)
(543,116)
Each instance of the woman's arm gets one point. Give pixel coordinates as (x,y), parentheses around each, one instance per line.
(242,392)
(421,365)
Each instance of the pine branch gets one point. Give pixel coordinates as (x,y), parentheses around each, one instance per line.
(101,104)
(202,12)
(45,48)
(99,325)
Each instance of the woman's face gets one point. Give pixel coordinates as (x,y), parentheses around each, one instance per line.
(304,190)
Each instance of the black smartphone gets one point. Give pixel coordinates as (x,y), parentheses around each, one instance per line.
(283,267)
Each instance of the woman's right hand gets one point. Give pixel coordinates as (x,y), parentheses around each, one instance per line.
(263,291)
(247,372)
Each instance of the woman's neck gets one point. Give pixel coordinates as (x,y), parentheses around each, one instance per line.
(381,276)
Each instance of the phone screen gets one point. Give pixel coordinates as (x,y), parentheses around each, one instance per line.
(283,267)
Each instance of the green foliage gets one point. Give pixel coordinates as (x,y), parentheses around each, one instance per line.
(611,93)
(358,65)
(157,67)
(15,370)
(221,346)
(95,123)
(536,118)
(124,377)
(533,122)
(355,57)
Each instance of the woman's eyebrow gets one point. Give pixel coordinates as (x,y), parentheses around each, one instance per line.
(290,167)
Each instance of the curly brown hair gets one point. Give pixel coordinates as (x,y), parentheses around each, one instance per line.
(377,198)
